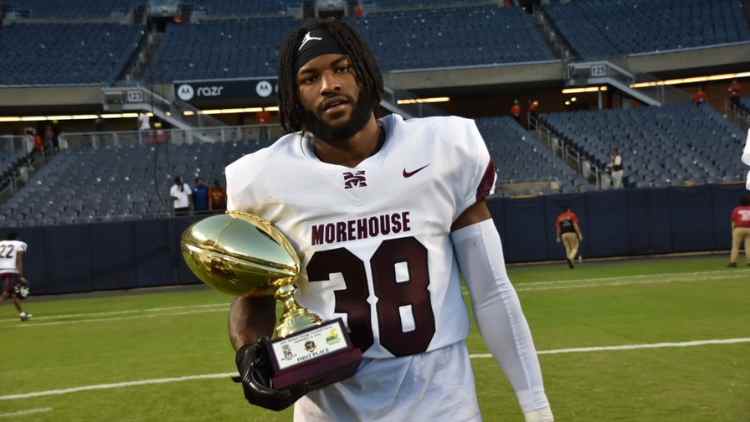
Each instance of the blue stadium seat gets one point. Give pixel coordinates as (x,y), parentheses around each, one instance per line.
(660,146)
(65,53)
(425,39)
(521,157)
(604,28)
(115,183)
(77,9)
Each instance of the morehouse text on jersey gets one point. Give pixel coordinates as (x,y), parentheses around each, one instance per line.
(361,228)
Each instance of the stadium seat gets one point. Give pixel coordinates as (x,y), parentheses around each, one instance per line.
(670,145)
(521,157)
(55,53)
(115,183)
(603,28)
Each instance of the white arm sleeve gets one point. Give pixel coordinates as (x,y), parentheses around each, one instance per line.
(746,152)
(498,311)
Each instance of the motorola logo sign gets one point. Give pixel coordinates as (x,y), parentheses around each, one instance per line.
(264,89)
(209,91)
(185,92)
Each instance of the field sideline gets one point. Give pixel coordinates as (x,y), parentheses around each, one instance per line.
(645,340)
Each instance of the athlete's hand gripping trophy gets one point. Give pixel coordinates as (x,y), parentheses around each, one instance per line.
(242,254)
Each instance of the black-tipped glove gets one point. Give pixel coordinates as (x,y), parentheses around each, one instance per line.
(255,367)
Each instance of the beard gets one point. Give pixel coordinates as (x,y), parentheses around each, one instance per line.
(360,116)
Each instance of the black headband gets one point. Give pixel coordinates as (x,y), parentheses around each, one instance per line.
(315,43)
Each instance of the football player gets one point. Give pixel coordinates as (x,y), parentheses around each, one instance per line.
(386,214)
(12,252)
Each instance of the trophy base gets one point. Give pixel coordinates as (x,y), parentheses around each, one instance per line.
(320,372)
(314,358)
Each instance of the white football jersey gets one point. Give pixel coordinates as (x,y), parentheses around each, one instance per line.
(8,252)
(375,239)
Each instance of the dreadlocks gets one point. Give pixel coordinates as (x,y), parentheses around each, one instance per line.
(368,74)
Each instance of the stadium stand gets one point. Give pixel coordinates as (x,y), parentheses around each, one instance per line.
(220,49)
(604,28)
(65,53)
(72,9)
(428,4)
(520,157)
(115,183)
(9,162)
(425,39)
(453,37)
(670,145)
(242,7)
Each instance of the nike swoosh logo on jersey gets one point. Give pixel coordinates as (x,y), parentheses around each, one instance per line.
(412,173)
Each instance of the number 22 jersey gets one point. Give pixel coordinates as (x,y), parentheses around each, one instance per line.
(375,239)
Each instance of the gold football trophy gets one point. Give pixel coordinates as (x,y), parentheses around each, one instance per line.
(243,254)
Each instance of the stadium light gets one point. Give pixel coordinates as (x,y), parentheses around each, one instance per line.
(692,80)
(583,90)
(424,100)
(231,110)
(573,99)
(274,108)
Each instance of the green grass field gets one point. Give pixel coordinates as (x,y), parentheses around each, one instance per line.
(91,344)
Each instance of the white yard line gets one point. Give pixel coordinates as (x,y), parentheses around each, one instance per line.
(125,318)
(660,278)
(26,412)
(629,281)
(724,273)
(125,312)
(694,343)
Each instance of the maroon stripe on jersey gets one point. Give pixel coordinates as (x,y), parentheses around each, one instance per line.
(485,186)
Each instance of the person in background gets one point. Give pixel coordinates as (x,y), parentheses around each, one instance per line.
(515,111)
(615,168)
(699,98)
(12,253)
(180,193)
(144,123)
(740,230)
(735,92)
(533,114)
(217,197)
(569,231)
(264,118)
(200,196)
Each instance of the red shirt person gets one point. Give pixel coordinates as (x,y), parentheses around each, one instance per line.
(568,229)
(740,230)
(515,111)
(699,97)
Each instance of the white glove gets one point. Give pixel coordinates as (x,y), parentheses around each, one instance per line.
(540,415)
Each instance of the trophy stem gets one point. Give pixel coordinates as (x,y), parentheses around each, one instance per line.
(294,318)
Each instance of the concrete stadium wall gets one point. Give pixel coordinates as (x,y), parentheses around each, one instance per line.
(125,255)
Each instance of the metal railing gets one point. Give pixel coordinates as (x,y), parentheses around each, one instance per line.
(263,133)
(595,175)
